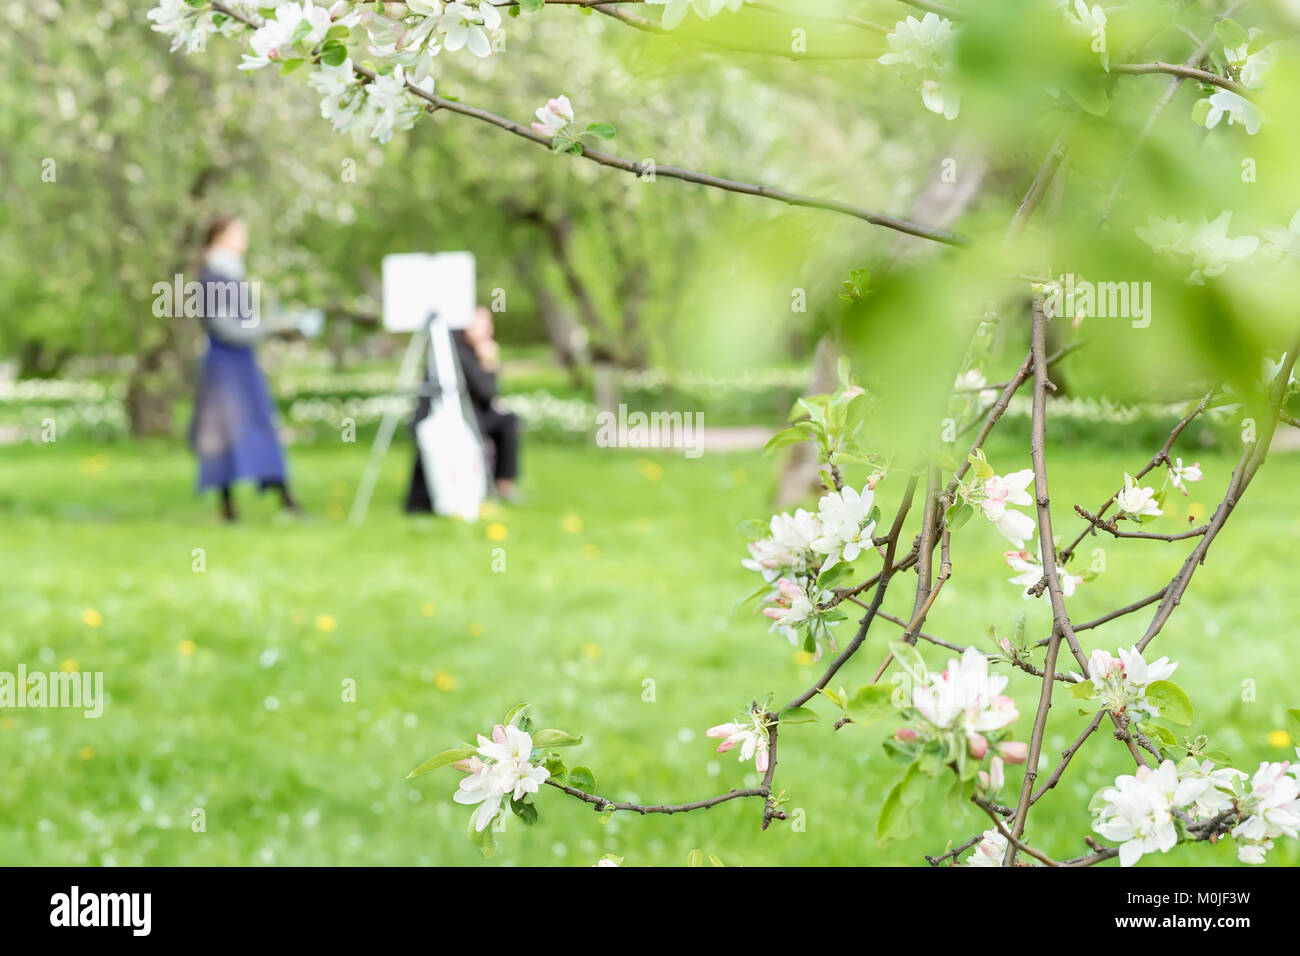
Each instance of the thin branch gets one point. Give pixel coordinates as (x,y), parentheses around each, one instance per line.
(600,803)
(1184,72)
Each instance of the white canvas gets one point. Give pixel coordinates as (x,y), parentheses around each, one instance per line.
(417,283)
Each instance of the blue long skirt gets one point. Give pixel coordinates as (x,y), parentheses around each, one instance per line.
(233,432)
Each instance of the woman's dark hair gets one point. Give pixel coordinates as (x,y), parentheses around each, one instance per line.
(216,226)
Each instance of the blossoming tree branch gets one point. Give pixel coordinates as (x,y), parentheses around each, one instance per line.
(955,730)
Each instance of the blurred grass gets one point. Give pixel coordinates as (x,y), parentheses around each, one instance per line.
(226,686)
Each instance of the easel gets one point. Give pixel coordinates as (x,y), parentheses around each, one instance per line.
(407,385)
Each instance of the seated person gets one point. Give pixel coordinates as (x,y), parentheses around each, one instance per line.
(480,358)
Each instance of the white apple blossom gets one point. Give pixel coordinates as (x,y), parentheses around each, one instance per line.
(1003,490)
(1237,109)
(1208,791)
(468,27)
(343,94)
(990,850)
(189,27)
(789,548)
(1090,26)
(1283,242)
(967,699)
(973,381)
(1180,474)
(924,49)
(793,607)
(1249,67)
(1273,808)
(750,735)
(1136,501)
(846,527)
(1029,571)
(675,10)
(1205,242)
(1138,814)
(1121,682)
(500,770)
(554,117)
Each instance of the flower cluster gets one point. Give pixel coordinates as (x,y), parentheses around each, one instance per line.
(923,50)
(501,770)
(803,546)
(189,27)
(1206,243)
(966,699)
(1145,812)
(749,734)
(1249,61)
(1120,683)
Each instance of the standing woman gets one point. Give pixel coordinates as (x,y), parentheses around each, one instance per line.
(233,432)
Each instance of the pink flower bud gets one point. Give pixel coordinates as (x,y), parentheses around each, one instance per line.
(774,612)
(906,735)
(788,589)
(1005,644)
(978,744)
(1014,751)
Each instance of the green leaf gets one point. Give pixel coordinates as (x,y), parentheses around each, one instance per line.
(799,715)
(909,659)
(786,436)
(602,130)
(1161,735)
(484,839)
(301,31)
(895,822)
(958,514)
(695,858)
(333,53)
(514,712)
(871,703)
(1231,33)
(581,778)
(1293,724)
(1171,701)
(337,32)
(1083,690)
(288,66)
(524,810)
(444,759)
(555,738)
(531,6)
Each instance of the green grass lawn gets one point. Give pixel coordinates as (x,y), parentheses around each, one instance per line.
(227,686)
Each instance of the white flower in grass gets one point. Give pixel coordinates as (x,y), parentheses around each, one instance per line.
(788,548)
(1274,810)
(1135,501)
(504,771)
(966,698)
(1121,682)
(1180,474)
(750,736)
(924,48)
(1003,490)
(464,27)
(555,116)
(845,528)
(990,850)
